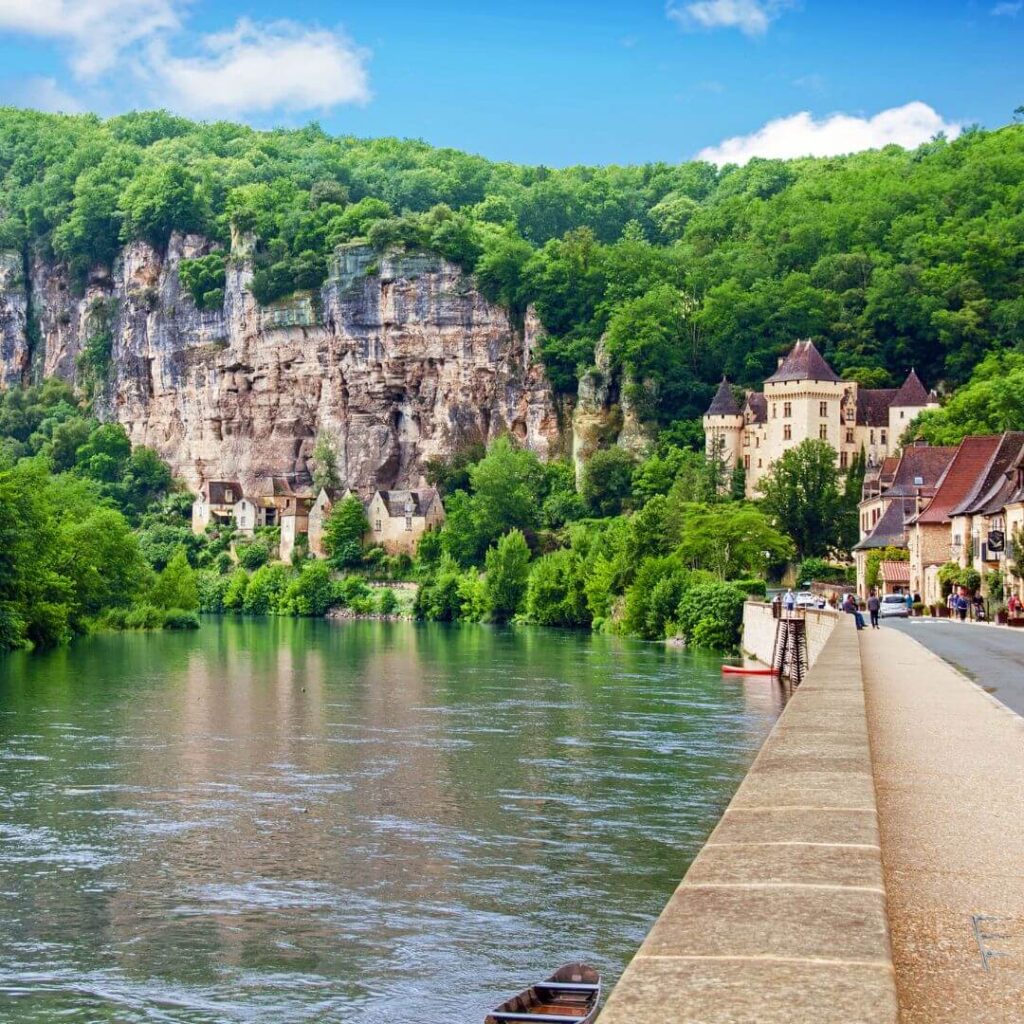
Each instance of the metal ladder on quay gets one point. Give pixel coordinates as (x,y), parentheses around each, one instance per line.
(789,653)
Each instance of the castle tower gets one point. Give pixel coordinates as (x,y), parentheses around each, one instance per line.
(723,427)
(911,399)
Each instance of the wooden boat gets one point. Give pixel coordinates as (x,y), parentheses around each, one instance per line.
(743,670)
(570,996)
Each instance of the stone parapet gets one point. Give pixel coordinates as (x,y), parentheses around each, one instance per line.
(759,630)
(782,916)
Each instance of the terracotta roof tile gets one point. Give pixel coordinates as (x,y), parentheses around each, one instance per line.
(993,485)
(894,572)
(804,362)
(961,475)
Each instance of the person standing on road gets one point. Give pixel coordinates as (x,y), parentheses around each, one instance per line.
(789,601)
(873,606)
(909,598)
(961,607)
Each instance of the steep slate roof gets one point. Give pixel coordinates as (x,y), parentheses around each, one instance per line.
(758,406)
(804,362)
(724,402)
(923,463)
(873,406)
(890,530)
(215,490)
(912,393)
(421,501)
(960,477)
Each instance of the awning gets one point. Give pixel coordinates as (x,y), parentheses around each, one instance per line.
(895,572)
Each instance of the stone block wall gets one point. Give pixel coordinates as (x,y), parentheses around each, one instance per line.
(759,630)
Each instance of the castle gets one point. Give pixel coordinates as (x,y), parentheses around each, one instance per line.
(806,400)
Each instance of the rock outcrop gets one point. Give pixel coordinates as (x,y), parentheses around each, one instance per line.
(397,356)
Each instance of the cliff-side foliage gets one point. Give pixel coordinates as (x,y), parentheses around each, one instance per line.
(887,259)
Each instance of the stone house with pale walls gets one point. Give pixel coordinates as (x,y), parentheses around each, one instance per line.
(399,518)
(893,492)
(215,503)
(932,537)
(806,400)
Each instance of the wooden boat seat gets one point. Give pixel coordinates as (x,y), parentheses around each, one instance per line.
(567,986)
(547,1018)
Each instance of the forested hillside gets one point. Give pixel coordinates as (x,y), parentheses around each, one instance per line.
(887,259)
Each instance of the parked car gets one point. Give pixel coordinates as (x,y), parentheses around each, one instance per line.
(805,599)
(893,606)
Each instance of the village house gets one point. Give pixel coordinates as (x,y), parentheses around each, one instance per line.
(215,503)
(806,400)
(932,540)
(894,491)
(399,518)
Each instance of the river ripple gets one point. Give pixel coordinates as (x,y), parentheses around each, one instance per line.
(299,821)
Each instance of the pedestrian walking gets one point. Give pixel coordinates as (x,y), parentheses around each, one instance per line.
(909,598)
(874,604)
(961,607)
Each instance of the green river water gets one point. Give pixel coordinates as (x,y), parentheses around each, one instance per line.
(366,822)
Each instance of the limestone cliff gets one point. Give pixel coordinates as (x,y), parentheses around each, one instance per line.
(398,357)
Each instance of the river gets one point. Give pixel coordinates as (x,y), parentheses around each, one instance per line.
(366,822)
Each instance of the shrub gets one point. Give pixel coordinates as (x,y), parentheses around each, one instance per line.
(266,586)
(180,618)
(711,614)
(252,556)
(176,586)
(310,592)
(212,587)
(349,589)
(753,588)
(234,593)
(343,532)
(388,603)
(508,569)
(143,616)
(555,594)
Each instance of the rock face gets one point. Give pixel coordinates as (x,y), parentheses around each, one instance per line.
(398,357)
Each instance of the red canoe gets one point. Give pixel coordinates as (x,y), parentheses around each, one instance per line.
(742,670)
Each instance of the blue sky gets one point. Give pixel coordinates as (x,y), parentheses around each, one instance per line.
(560,82)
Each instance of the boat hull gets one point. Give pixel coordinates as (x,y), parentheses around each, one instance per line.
(572,995)
(740,670)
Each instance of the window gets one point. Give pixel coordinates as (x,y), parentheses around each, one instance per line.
(229,496)
(902,414)
(759,463)
(787,409)
(872,437)
(787,433)
(849,436)
(408,522)
(823,408)
(885,437)
(746,462)
(376,526)
(775,411)
(823,432)
(842,460)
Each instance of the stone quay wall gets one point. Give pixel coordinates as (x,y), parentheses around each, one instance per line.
(781,918)
(759,630)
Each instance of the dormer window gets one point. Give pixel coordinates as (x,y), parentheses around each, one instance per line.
(229,496)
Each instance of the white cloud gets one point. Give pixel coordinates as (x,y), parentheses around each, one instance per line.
(40,93)
(1008,10)
(801,135)
(94,32)
(258,68)
(751,17)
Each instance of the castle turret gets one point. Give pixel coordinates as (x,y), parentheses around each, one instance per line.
(911,399)
(723,427)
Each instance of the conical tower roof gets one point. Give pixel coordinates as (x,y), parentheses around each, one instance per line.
(912,393)
(724,403)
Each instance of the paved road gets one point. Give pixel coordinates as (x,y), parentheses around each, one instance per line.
(992,657)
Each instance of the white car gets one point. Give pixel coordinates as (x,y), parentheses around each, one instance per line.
(893,606)
(805,599)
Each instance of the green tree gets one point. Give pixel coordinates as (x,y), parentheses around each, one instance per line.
(507,570)
(801,496)
(343,532)
(732,540)
(607,481)
(176,586)
(326,475)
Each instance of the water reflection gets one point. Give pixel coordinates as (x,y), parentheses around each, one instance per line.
(295,821)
